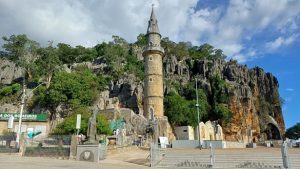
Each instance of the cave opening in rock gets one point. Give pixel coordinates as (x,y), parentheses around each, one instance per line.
(272,132)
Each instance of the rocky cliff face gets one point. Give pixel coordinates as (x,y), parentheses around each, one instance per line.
(253,94)
(9,72)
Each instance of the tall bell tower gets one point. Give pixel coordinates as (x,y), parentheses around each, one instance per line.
(153,83)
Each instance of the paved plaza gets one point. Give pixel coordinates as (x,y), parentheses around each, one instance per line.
(137,159)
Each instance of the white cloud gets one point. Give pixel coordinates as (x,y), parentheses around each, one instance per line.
(252,53)
(80,22)
(281,41)
(231,29)
(290,89)
(249,55)
(240,57)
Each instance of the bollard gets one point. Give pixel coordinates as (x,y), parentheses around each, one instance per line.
(285,156)
(151,155)
(212,157)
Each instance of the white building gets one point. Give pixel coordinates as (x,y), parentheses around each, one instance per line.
(184,133)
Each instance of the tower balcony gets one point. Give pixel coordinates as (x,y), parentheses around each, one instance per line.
(153,49)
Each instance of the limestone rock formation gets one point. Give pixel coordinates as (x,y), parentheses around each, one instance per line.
(9,72)
(254,98)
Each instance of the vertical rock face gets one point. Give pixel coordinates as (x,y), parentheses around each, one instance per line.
(129,92)
(253,96)
(9,72)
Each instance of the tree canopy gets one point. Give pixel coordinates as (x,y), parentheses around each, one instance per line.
(293,132)
(77,89)
(68,126)
(181,110)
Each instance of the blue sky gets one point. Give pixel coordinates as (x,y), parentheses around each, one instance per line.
(264,33)
(276,48)
(285,65)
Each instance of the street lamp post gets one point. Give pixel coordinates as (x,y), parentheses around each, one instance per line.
(22,109)
(197,106)
(21,114)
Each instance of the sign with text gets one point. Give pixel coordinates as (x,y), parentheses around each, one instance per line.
(25,117)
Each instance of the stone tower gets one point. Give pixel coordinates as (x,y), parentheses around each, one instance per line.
(153,83)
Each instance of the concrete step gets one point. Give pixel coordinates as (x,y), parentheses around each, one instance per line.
(228,161)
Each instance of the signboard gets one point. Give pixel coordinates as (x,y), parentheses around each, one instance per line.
(163,142)
(23,128)
(25,117)
(78,121)
(10,122)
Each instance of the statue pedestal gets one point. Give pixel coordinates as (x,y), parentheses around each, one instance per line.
(92,152)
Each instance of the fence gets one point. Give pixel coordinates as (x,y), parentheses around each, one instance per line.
(52,146)
(155,155)
(250,158)
(205,144)
(7,143)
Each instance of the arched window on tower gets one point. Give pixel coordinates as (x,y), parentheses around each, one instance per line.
(150,43)
(151,113)
(151,79)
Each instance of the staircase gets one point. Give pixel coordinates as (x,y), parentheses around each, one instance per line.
(229,159)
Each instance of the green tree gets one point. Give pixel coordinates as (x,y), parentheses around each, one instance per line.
(223,113)
(293,132)
(134,66)
(114,54)
(103,81)
(177,108)
(103,126)
(65,53)
(48,63)
(206,51)
(219,90)
(181,111)
(5,91)
(85,54)
(219,100)
(73,89)
(179,50)
(8,90)
(141,40)
(68,126)
(218,54)
(117,40)
(22,51)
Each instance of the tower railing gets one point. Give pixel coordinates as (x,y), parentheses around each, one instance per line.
(153,48)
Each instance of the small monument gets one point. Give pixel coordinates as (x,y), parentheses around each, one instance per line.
(91,150)
(92,130)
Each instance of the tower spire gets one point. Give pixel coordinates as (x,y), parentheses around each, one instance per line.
(152,25)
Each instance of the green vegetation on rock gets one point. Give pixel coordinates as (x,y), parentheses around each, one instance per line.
(293,132)
(73,84)
(68,126)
